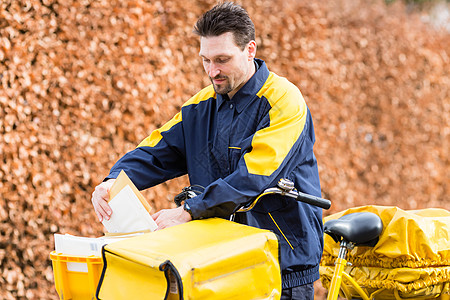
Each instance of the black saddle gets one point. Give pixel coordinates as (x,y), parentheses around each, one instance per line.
(362,228)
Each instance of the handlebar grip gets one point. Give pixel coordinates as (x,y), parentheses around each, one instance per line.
(313,200)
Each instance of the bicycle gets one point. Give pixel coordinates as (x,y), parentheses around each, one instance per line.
(352,230)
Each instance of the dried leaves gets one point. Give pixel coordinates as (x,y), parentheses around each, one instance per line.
(82,82)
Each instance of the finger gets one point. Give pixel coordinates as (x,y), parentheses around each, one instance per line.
(94,204)
(168,223)
(161,218)
(100,211)
(156,215)
(105,208)
(163,224)
(101,206)
(97,212)
(159,227)
(102,190)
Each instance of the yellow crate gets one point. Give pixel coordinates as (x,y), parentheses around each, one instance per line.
(76,277)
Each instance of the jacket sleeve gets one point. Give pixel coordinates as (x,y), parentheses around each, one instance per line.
(159,157)
(281,147)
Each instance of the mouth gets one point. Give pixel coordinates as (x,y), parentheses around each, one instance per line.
(218,80)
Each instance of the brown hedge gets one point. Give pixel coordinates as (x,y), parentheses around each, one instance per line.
(82,82)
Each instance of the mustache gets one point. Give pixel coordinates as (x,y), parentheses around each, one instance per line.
(219,77)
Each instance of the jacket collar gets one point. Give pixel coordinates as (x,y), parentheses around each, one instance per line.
(246,93)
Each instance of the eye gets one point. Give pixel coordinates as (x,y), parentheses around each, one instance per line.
(223,60)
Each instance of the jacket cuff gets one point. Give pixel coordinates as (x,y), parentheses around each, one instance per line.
(112,175)
(197,208)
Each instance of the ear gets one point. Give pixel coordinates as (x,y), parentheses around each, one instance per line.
(251,46)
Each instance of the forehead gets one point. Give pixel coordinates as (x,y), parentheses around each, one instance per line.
(223,44)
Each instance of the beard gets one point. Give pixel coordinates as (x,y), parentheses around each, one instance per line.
(223,88)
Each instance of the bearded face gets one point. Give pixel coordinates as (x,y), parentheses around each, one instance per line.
(227,65)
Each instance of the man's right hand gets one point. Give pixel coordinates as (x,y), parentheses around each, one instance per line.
(100,198)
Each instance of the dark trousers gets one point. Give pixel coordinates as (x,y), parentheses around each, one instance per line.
(302,292)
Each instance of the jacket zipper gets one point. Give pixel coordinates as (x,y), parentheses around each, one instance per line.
(281,231)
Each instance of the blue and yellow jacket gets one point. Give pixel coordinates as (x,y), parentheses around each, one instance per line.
(236,148)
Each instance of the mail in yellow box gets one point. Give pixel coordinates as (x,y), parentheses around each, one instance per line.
(202,259)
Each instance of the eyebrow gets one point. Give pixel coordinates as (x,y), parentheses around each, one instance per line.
(216,56)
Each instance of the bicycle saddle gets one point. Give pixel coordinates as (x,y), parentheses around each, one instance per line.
(362,228)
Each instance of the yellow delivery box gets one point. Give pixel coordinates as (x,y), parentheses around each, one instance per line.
(201,259)
(76,276)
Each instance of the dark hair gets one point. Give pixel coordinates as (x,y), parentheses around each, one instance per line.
(227,17)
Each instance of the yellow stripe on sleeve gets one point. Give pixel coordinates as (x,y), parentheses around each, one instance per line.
(155,137)
(271,145)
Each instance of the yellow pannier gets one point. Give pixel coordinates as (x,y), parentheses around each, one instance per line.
(202,259)
(411,258)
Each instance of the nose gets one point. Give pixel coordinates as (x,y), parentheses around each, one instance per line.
(212,70)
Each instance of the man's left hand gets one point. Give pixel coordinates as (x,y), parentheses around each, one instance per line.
(170,217)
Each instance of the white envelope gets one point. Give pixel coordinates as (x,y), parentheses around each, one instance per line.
(129,214)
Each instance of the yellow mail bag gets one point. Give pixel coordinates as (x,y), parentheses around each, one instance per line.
(202,259)
(411,258)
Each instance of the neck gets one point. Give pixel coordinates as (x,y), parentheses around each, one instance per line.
(252,71)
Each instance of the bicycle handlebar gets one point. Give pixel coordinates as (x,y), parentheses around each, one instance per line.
(313,200)
(286,188)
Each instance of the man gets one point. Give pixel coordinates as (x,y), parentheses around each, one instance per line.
(237,137)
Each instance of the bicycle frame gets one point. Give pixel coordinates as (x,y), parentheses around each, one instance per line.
(339,274)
